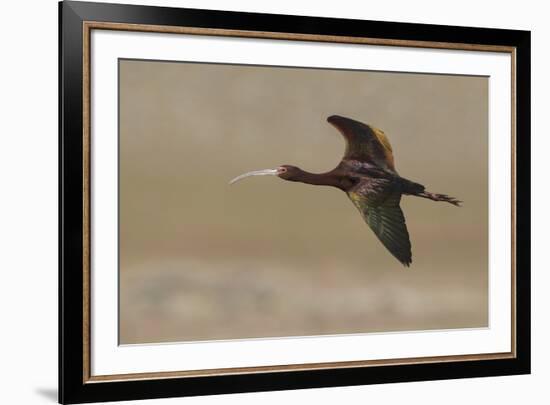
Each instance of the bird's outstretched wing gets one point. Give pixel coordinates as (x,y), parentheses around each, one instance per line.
(376,196)
(364,143)
(388,223)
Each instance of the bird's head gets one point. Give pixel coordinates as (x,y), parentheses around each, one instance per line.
(285,172)
(288,172)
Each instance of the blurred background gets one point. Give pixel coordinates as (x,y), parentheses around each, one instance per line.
(202,260)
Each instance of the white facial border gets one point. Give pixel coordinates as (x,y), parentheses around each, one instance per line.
(107,357)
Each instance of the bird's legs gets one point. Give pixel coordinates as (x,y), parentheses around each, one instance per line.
(439,197)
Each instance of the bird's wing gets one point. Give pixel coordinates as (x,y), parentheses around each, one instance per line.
(388,223)
(364,142)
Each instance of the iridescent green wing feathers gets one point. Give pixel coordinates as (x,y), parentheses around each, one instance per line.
(388,223)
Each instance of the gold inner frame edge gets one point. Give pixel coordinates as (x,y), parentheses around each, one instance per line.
(86,251)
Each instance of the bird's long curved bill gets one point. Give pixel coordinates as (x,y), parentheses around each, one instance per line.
(265,172)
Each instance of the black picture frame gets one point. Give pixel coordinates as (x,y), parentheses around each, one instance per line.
(73,387)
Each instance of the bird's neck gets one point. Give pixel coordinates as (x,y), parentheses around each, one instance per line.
(318,179)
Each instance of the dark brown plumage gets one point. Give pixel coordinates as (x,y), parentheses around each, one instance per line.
(367,175)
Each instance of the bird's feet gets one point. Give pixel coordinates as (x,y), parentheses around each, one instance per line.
(441,197)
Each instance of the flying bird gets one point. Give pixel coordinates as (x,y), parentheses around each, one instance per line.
(368,176)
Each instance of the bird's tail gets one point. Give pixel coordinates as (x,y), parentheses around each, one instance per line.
(439,197)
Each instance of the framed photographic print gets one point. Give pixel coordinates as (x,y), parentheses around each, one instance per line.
(254,202)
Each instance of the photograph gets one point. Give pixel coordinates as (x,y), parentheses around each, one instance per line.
(262,201)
